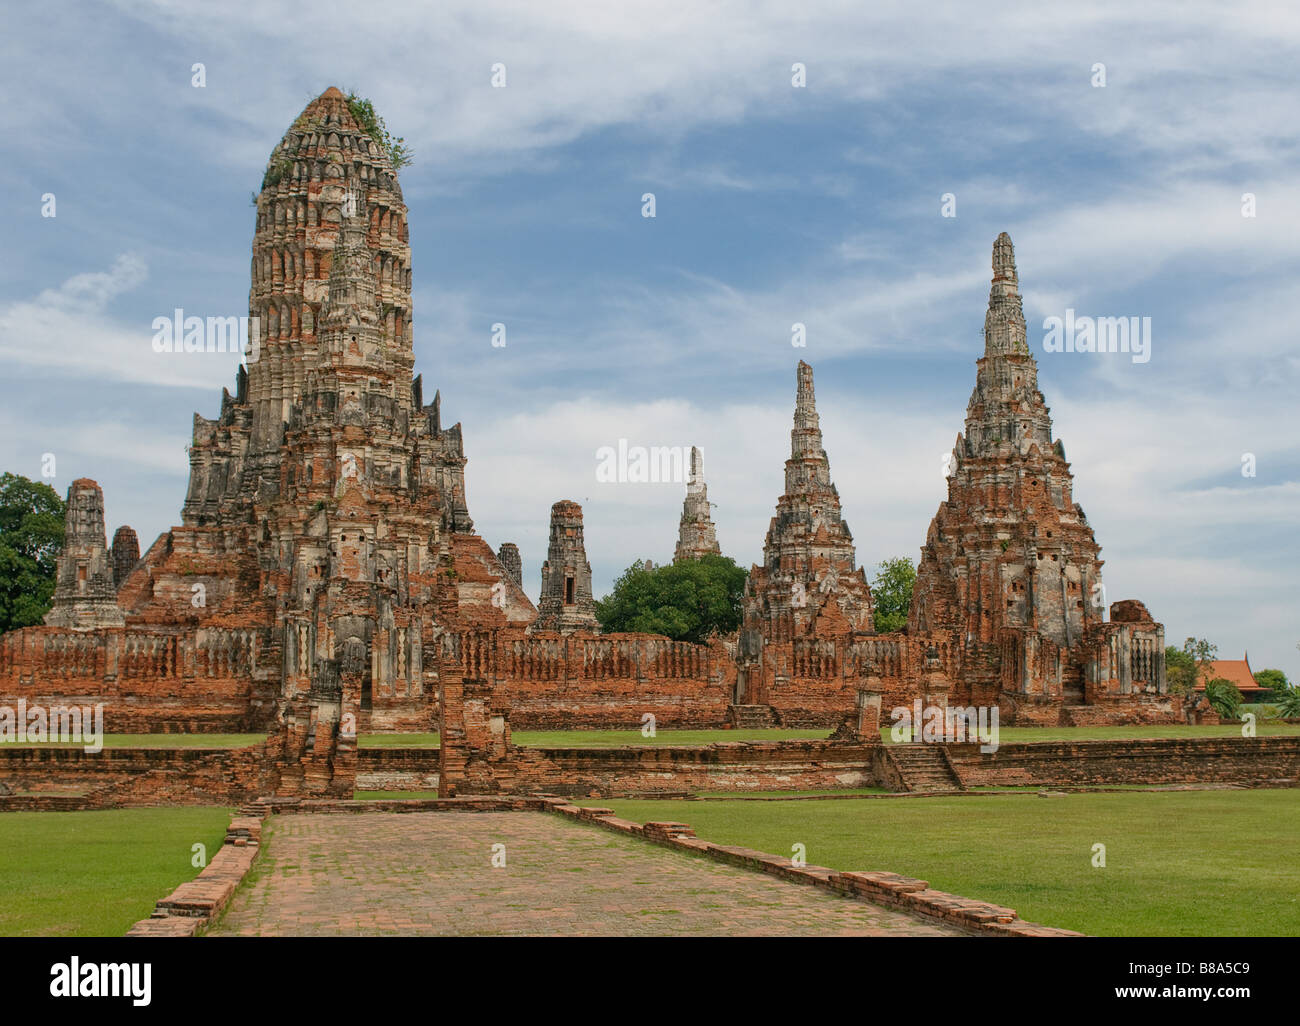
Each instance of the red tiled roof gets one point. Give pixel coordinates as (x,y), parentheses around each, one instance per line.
(1235,670)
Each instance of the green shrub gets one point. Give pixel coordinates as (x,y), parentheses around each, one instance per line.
(1289,703)
(364,112)
(1224,697)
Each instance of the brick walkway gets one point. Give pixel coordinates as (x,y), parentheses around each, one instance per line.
(431,873)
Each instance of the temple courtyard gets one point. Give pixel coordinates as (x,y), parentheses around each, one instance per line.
(434,873)
(1175,862)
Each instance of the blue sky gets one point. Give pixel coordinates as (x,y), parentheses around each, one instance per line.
(820,205)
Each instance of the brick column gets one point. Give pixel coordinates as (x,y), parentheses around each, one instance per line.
(453,752)
(869,698)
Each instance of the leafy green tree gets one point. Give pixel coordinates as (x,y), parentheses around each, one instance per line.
(1194,662)
(687,601)
(31,538)
(891,593)
(1274,680)
(1180,670)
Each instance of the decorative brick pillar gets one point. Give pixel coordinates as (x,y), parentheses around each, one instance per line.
(475,753)
(869,699)
(936,687)
(453,752)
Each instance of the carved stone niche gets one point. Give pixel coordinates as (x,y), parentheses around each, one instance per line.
(325,681)
(354,656)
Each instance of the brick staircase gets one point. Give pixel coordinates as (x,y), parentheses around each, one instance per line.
(751,717)
(923,767)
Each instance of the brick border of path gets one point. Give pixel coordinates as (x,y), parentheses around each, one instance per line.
(193,905)
(877,888)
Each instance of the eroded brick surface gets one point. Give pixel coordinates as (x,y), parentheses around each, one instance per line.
(431,873)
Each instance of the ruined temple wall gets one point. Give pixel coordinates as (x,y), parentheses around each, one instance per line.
(148,681)
(615,704)
(812,682)
(1163,761)
(789,765)
(610,681)
(73,769)
(401,716)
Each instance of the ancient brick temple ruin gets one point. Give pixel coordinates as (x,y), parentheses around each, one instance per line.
(696,534)
(326,577)
(566,604)
(807,625)
(85,589)
(1010,571)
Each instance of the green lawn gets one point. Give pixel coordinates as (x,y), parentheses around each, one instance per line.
(838,792)
(1006,735)
(601,738)
(613,738)
(1016,735)
(94,874)
(160,741)
(1195,863)
(385,795)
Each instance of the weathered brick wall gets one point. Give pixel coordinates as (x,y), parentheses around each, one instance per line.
(807,765)
(38,768)
(735,766)
(189,776)
(150,681)
(142,776)
(1039,711)
(814,683)
(227,777)
(397,769)
(1129,709)
(412,716)
(607,681)
(616,704)
(1164,761)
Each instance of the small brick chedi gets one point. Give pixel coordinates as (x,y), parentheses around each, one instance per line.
(85,590)
(566,604)
(696,534)
(326,576)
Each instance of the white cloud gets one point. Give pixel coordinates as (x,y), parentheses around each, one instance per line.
(70,331)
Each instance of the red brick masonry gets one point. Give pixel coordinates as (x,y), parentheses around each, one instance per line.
(132,777)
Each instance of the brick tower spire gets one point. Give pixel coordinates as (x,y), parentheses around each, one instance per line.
(84,593)
(324,160)
(1009,548)
(566,603)
(696,535)
(1004,324)
(809,566)
(1006,410)
(808,527)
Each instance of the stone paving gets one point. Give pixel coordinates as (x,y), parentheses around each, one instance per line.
(431,873)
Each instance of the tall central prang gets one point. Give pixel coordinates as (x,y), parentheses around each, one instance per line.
(326,507)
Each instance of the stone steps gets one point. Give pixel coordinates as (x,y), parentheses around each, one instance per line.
(923,767)
(752,717)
